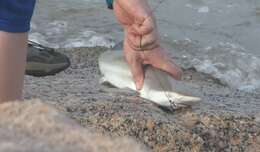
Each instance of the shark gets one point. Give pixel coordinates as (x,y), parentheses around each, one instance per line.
(159,87)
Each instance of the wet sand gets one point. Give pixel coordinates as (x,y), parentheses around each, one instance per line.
(225,120)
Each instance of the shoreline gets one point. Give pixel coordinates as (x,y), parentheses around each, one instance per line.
(210,126)
(82,80)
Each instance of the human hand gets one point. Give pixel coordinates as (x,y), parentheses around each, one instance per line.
(155,57)
(141,43)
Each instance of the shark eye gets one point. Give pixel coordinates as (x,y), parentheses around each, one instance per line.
(172,102)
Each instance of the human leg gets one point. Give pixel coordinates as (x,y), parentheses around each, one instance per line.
(15,17)
(13,48)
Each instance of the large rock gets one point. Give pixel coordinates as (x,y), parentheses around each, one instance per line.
(224,121)
(33,126)
(165,132)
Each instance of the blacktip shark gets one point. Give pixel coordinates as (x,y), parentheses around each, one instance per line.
(159,87)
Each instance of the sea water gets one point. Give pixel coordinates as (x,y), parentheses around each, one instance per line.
(217,37)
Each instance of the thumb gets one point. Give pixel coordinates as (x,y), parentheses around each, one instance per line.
(145,27)
(142,29)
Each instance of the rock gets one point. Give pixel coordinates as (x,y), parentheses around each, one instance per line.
(189,119)
(170,132)
(220,123)
(150,124)
(34,126)
(257,117)
(255,145)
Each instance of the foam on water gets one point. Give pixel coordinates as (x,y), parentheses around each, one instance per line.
(67,24)
(56,29)
(90,39)
(203,9)
(40,38)
(230,63)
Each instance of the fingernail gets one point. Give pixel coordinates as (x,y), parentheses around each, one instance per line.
(138,86)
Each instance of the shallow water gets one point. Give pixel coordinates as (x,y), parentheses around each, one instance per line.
(218,37)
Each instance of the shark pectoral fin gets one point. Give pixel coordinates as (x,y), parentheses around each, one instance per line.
(185,100)
(191,99)
(103,80)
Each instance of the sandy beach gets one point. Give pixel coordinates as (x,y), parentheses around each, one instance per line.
(226,119)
